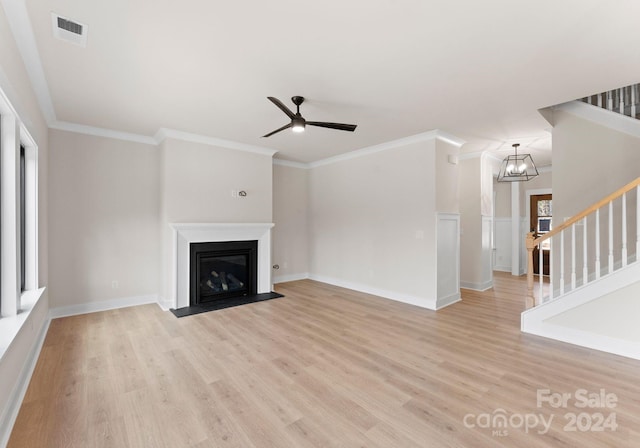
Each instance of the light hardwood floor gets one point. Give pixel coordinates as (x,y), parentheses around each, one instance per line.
(322,367)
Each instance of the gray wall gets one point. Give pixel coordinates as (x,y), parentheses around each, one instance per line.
(196,183)
(290,215)
(372,221)
(104,219)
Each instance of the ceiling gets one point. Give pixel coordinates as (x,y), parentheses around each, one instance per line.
(477,70)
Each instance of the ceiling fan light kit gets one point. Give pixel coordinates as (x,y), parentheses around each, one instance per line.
(298,123)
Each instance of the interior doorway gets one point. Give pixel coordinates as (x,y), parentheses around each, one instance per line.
(541,213)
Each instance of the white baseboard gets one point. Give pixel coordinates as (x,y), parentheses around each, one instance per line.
(10,413)
(289,277)
(92,307)
(165,304)
(502,268)
(477,286)
(423,302)
(628,349)
(442,302)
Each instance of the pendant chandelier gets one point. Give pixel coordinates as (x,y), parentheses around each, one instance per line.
(517,168)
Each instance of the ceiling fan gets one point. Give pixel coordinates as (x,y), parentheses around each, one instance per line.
(298,122)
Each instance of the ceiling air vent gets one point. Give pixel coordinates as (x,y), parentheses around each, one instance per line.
(69,30)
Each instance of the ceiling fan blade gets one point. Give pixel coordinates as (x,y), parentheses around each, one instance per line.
(286,126)
(282,107)
(339,126)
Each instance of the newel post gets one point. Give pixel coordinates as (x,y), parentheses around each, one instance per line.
(530,245)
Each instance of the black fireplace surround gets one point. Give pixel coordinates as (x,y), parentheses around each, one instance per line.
(222,270)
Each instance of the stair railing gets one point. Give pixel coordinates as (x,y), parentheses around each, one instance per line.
(587,252)
(625,100)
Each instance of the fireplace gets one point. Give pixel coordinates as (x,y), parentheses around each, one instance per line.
(185,234)
(222,270)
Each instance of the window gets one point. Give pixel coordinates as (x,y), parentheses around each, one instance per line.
(19,291)
(23,219)
(1,311)
(18,222)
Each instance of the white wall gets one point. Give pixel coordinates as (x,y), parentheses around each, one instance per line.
(503,239)
(113,200)
(198,180)
(614,315)
(595,160)
(476,207)
(290,215)
(104,223)
(196,187)
(503,199)
(447,177)
(590,161)
(14,82)
(470,223)
(372,223)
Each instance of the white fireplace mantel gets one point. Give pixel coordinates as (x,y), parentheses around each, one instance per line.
(186,233)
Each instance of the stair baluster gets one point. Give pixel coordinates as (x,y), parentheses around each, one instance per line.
(582,250)
(573,257)
(597,243)
(624,229)
(585,265)
(638,223)
(610,261)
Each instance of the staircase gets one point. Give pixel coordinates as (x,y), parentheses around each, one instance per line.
(625,101)
(593,254)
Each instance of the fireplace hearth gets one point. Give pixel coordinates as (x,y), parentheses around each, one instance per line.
(222,270)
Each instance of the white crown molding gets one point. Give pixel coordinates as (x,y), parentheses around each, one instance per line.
(603,117)
(18,18)
(490,155)
(164,133)
(430,135)
(159,137)
(473,155)
(470,155)
(449,138)
(291,164)
(102,132)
